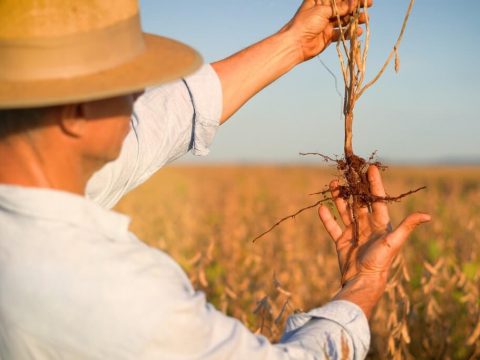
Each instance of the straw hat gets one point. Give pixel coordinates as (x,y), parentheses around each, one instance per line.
(55,52)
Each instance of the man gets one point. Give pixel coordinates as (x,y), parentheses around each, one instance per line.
(74,282)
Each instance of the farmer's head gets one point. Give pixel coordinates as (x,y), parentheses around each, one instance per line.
(70,70)
(93,129)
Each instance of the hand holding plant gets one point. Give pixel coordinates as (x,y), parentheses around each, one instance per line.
(365,263)
(316,25)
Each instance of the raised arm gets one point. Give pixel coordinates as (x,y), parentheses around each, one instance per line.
(172,119)
(310,31)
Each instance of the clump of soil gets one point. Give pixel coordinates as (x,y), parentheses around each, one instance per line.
(355,188)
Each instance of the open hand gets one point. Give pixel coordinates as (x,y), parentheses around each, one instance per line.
(315,25)
(365,265)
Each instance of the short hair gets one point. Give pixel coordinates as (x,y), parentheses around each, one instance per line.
(14,121)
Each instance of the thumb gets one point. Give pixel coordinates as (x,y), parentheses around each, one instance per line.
(400,235)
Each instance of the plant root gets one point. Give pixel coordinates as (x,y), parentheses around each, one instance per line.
(290,217)
(355,190)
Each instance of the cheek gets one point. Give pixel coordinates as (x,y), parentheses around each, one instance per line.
(118,129)
(118,133)
(106,138)
(127,125)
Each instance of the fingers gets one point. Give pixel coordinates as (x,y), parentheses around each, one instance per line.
(337,35)
(329,223)
(342,206)
(345,20)
(342,8)
(380,210)
(400,235)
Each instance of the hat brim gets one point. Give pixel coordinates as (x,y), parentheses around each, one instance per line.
(163,60)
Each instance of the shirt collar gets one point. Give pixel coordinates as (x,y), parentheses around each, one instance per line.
(63,207)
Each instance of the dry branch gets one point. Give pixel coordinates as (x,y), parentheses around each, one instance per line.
(393,52)
(291,217)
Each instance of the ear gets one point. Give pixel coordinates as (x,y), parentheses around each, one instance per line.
(72,120)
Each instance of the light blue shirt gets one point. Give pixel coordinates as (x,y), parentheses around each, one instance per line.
(76,284)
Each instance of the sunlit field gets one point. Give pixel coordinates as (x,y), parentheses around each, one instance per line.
(206,218)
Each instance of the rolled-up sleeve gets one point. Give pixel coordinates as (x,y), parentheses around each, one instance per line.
(168,121)
(338,330)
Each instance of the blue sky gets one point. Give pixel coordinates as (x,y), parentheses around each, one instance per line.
(429,111)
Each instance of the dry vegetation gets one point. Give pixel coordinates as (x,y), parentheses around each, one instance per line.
(206,217)
(352,53)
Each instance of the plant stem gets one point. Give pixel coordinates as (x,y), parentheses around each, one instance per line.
(348,146)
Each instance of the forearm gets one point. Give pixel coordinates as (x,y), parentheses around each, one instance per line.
(245,73)
(363,291)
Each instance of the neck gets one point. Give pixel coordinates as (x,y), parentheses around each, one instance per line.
(41,161)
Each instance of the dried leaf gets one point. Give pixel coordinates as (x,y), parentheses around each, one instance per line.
(391,345)
(358,57)
(475,335)
(202,277)
(397,61)
(392,320)
(432,270)
(401,291)
(195,259)
(210,250)
(230,293)
(406,274)
(405,334)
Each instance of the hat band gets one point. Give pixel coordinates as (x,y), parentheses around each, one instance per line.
(71,55)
